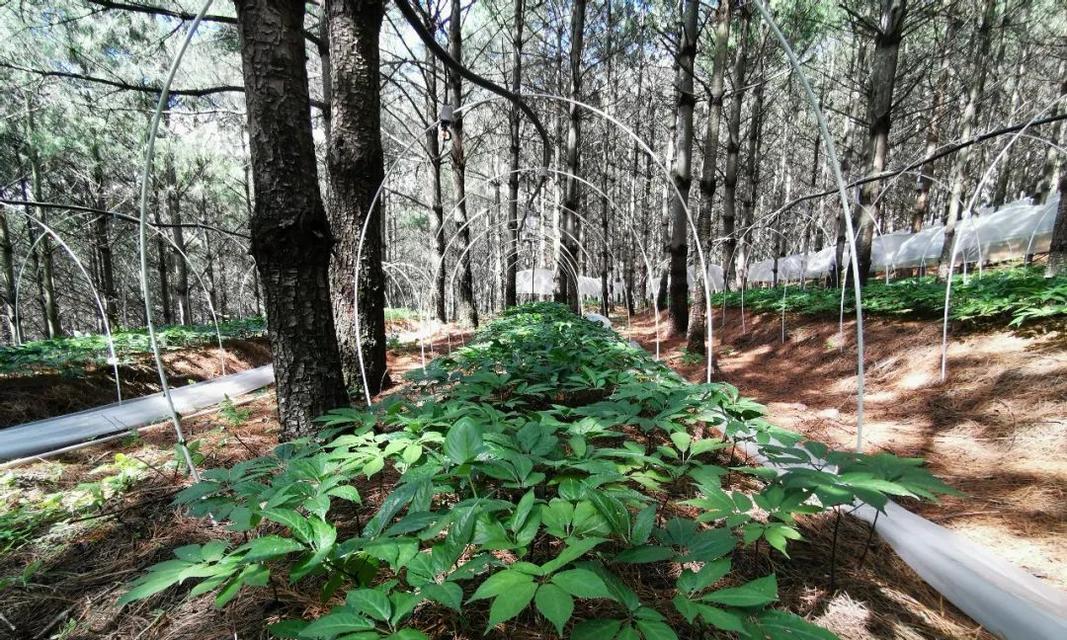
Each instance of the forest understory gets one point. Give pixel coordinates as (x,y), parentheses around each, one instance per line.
(1014,477)
(995,430)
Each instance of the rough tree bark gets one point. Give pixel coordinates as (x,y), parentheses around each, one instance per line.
(568,291)
(467,304)
(682,171)
(102,241)
(174,212)
(514,130)
(356,169)
(291,239)
(43,256)
(7,266)
(733,149)
(933,132)
(887,37)
(748,198)
(708,177)
(433,151)
(970,117)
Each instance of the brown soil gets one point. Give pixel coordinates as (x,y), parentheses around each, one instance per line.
(994,430)
(38,395)
(87,564)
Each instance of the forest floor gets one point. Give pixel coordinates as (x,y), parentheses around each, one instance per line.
(35,394)
(63,582)
(995,430)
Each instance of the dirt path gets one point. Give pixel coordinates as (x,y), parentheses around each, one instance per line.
(995,430)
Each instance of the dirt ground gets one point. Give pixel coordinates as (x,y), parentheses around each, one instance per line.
(25,398)
(994,430)
(71,593)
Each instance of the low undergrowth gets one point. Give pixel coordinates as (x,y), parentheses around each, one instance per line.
(1018,295)
(545,478)
(75,352)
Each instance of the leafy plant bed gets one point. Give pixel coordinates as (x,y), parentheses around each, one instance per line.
(1017,295)
(71,354)
(625,517)
(38,394)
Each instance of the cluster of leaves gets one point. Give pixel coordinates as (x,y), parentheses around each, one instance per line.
(23,515)
(78,351)
(539,471)
(1018,295)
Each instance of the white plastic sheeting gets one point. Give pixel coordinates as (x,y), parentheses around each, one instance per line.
(544,284)
(540,282)
(1011,232)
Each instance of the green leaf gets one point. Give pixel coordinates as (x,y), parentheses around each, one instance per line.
(711,572)
(574,550)
(509,604)
(463,442)
(642,527)
(297,523)
(287,628)
(581,583)
(653,630)
(555,604)
(370,602)
(159,577)
(596,630)
(501,582)
(412,453)
(681,440)
(270,547)
(720,618)
(781,625)
(346,492)
(447,593)
(751,594)
(337,622)
(645,554)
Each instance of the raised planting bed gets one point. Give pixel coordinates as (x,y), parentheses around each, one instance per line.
(545,480)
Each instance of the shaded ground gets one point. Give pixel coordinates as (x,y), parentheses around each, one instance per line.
(995,430)
(36,395)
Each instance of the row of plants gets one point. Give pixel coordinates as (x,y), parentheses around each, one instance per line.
(92,349)
(1017,295)
(546,477)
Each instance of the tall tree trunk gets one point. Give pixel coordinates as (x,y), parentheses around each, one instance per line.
(1057,253)
(568,291)
(174,212)
(514,131)
(44,248)
(748,198)
(102,242)
(468,307)
(708,177)
(356,169)
(1053,164)
(291,239)
(933,133)
(606,168)
(852,154)
(970,117)
(733,149)
(433,149)
(682,171)
(879,117)
(7,267)
(163,269)
(209,257)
